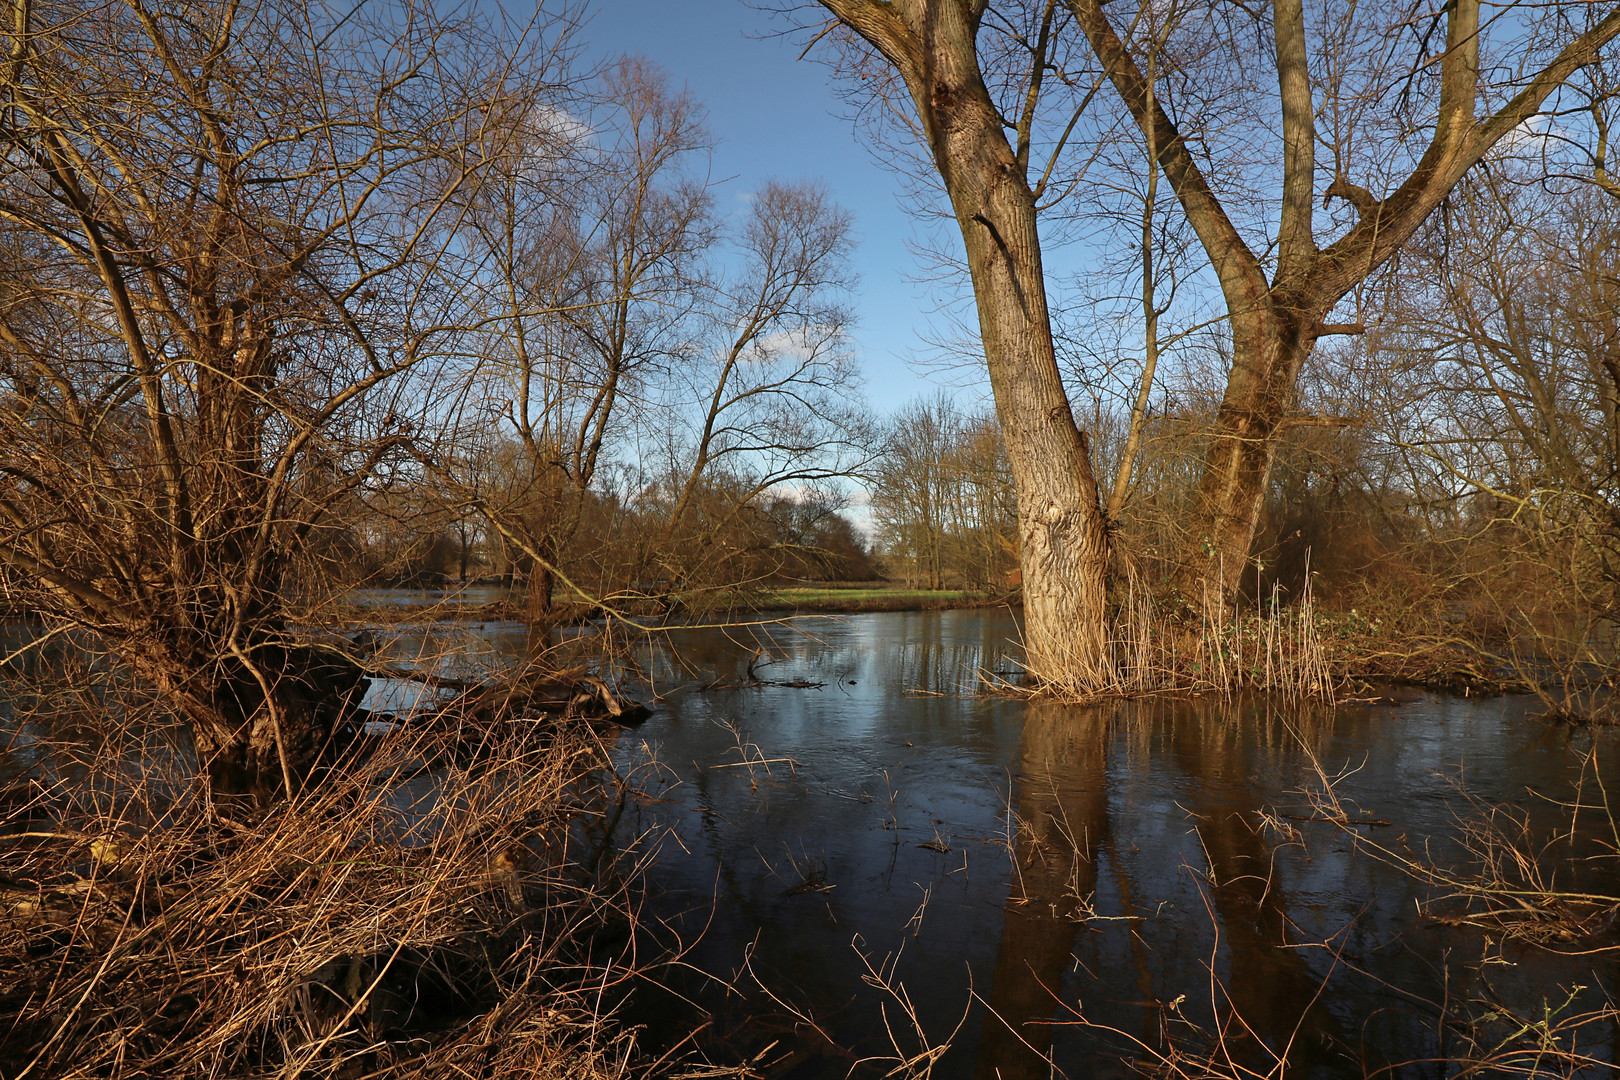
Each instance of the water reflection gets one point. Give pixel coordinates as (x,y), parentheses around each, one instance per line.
(916,652)
(1153,867)
(1060,821)
(1273,1001)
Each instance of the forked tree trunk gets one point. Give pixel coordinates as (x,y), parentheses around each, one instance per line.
(1063,542)
(1275,322)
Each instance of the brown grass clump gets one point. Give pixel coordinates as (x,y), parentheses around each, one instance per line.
(1285,644)
(1168,646)
(427,906)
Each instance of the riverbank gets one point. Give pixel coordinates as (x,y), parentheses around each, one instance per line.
(481,604)
(1298,650)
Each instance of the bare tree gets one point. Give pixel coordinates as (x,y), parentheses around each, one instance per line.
(229,251)
(773,376)
(597,257)
(912,489)
(942,497)
(1366,61)
(661,369)
(1500,362)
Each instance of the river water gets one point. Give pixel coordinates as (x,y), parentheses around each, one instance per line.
(868,860)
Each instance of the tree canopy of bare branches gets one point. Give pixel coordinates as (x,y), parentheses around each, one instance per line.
(653,372)
(228,225)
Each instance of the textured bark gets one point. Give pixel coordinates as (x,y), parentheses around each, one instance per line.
(248,739)
(1063,542)
(1269,346)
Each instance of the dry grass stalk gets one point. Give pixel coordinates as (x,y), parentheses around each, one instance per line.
(1229,1049)
(914,1050)
(1512,880)
(1507,884)
(1155,648)
(430,905)
(1481,1035)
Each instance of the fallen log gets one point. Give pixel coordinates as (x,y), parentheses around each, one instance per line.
(564,695)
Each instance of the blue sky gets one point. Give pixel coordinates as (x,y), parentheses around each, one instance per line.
(776,116)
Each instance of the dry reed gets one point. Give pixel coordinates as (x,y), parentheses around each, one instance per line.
(1511,878)
(1155,647)
(435,903)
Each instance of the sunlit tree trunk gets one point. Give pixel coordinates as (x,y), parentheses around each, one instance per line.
(1063,544)
(1269,349)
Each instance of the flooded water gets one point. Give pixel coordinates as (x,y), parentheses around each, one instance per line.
(875,869)
(421,598)
(868,863)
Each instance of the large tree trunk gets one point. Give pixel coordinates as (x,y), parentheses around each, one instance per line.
(1063,542)
(259,723)
(1268,348)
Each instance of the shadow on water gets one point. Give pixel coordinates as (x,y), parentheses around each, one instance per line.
(1040,886)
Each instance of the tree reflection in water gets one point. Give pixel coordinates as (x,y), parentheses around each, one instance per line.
(1268,1005)
(1155,860)
(1060,815)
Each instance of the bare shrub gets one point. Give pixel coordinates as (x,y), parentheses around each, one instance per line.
(434,904)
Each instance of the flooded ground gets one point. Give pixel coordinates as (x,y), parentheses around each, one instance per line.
(877,865)
(875,869)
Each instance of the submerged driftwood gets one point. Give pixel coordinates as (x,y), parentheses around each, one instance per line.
(563,695)
(544,697)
